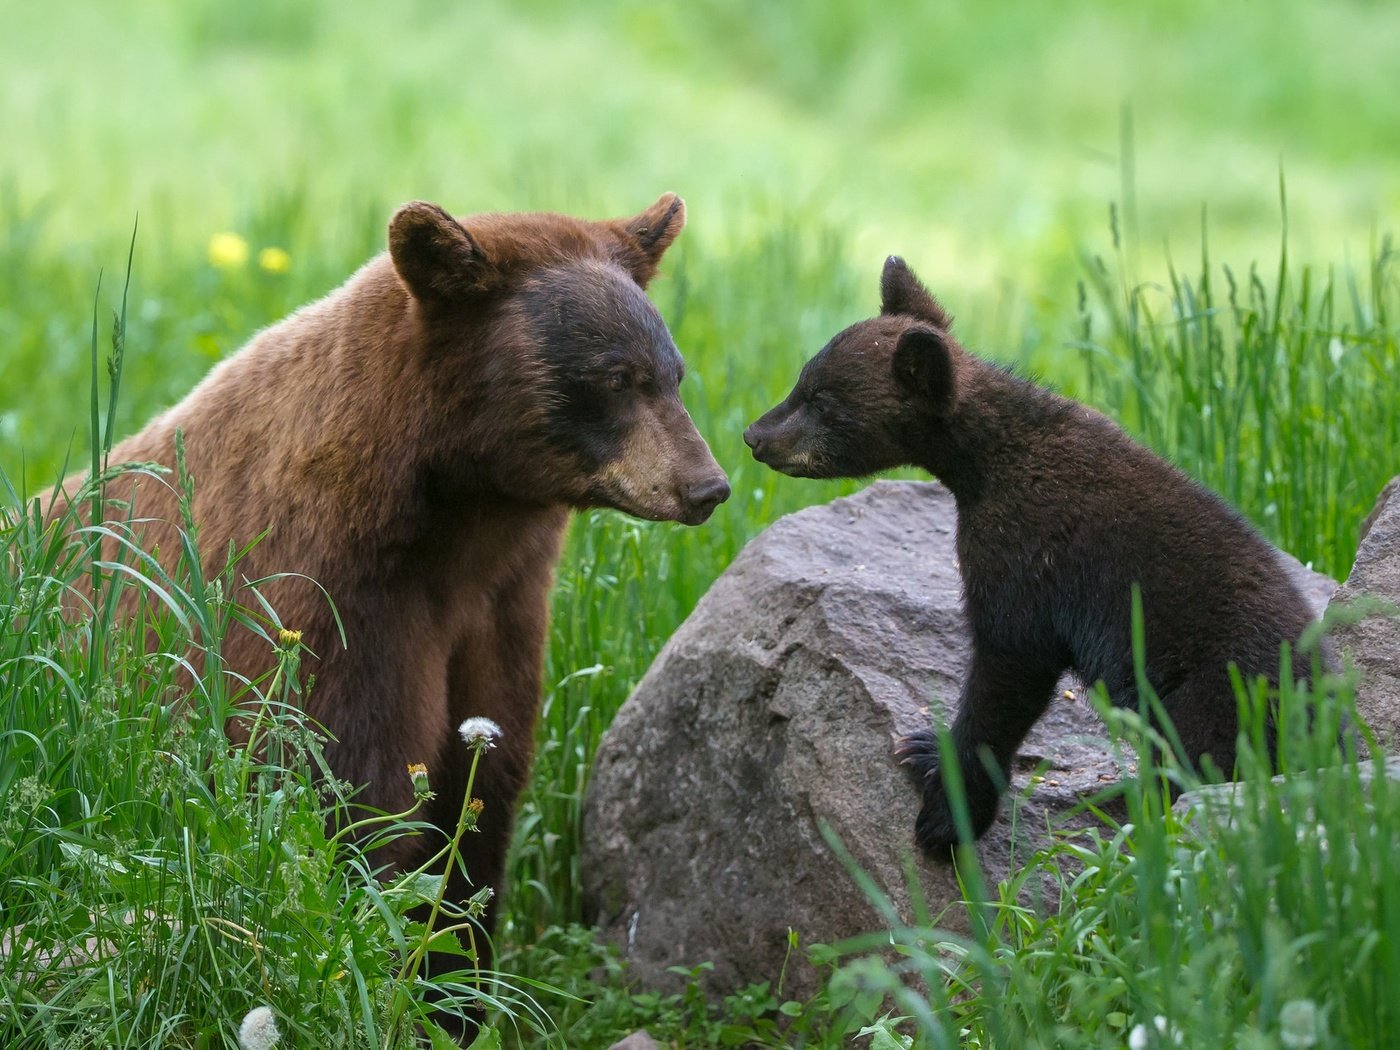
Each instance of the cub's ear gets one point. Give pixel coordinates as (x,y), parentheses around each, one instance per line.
(434,255)
(645,237)
(901,293)
(923,366)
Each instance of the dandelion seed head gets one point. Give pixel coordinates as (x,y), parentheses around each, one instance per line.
(1141,1037)
(259,1029)
(1298,1023)
(480,732)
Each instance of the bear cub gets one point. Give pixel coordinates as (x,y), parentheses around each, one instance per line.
(1060,514)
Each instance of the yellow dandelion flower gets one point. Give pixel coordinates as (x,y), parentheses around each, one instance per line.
(476,805)
(227,251)
(418,773)
(275,260)
(288,638)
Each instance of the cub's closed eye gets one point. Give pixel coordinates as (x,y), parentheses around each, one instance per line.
(619,381)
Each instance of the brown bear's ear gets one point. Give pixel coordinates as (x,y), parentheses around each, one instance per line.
(434,255)
(901,293)
(923,366)
(645,237)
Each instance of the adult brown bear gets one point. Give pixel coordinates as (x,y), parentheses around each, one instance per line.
(1060,515)
(413,444)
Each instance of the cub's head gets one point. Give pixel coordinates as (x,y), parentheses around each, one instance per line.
(566,381)
(864,401)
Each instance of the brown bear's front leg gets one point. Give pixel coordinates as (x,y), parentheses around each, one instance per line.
(495,673)
(1001,700)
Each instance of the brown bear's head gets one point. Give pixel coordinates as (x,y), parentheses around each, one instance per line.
(562,380)
(866,400)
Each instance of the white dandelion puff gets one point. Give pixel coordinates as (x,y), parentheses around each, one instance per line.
(1140,1038)
(1298,1023)
(480,733)
(259,1029)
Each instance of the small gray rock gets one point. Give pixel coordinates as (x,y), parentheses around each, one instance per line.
(1217,803)
(637,1041)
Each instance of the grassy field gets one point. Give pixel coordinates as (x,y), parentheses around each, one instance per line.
(986,147)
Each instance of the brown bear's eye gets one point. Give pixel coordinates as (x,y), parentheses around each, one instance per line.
(619,381)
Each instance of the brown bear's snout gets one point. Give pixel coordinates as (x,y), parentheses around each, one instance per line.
(702,497)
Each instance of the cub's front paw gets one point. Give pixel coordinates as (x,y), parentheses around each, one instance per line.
(936,830)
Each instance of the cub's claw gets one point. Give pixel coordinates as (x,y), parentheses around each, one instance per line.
(918,754)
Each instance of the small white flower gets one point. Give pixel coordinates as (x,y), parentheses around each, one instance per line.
(259,1029)
(1140,1038)
(1298,1023)
(480,732)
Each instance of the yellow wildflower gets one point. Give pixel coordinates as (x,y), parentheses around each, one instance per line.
(418,773)
(275,260)
(288,638)
(227,251)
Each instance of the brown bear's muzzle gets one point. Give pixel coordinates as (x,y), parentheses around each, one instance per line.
(665,471)
(702,497)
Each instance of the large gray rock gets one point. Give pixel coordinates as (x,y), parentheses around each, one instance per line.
(1373,643)
(771,713)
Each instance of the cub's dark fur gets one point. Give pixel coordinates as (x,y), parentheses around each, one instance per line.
(1060,513)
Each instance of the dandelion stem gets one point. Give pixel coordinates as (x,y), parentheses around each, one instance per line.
(409,972)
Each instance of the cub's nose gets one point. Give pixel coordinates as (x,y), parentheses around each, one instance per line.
(704,496)
(753,439)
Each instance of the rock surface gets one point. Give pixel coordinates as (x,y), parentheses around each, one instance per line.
(641,1040)
(771,714)
(1219,802)
(1373,644)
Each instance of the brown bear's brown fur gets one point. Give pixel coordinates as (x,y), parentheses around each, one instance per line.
(413,443)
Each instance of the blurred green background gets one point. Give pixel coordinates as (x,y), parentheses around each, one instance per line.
(982,141)
(982,137)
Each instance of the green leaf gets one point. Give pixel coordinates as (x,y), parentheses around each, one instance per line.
(486,1039)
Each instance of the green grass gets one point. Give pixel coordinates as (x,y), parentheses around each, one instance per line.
(1273,384)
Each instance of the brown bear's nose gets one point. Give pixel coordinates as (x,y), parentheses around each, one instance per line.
(753,439)
(704,496)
